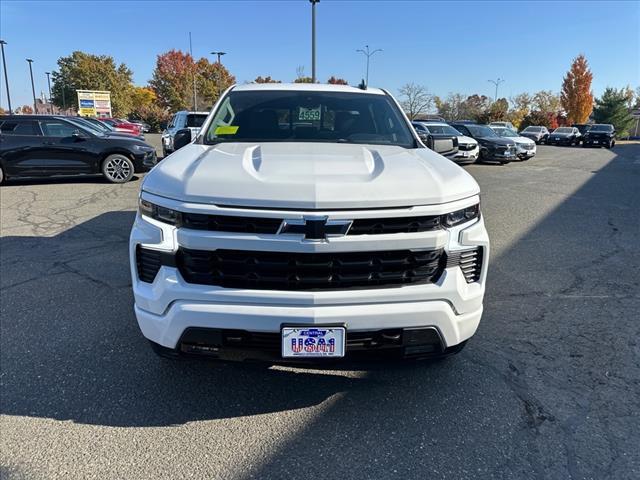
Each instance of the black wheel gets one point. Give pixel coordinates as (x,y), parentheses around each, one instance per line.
(164,152)
(118,168)
(610,144)
(1,175)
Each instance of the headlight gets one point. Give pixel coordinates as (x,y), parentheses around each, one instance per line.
(461,216)
(142,148)
(159,213)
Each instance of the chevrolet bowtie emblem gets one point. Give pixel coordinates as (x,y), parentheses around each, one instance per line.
(315,228)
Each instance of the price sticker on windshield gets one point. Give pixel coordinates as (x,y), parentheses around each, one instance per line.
(309,114)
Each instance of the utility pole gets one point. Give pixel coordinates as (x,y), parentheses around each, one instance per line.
(33,88)
(219,54)
(368,54)
(6,78)
(195,94)
(49,83)
(313,39)
(497,83)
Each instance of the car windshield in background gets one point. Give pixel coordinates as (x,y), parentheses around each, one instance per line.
(294,116)
(601,128)
(506,132)
(443,130)
(563,130)
(195,121)
(481,131)
(86,126)
(533,129)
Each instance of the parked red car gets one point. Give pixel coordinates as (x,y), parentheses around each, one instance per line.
(124,126)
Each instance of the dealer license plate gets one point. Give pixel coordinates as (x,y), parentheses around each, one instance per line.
(595,141)
(313,342)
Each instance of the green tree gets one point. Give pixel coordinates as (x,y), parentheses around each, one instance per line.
(612,108)
(84,71)
(498,110)
(546,101)
(266,79)
(521,106)
(211,79)
(476,107)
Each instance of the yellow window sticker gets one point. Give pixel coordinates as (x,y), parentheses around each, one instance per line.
(226,130)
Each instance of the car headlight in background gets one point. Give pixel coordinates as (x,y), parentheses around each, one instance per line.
(461,216)
(162,214)
(142,148)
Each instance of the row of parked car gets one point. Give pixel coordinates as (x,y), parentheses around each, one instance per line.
(467,142)
(599,135)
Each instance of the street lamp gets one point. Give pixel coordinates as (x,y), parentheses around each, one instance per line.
(368,54)
(6,78)
(49,83)
(219,54)
(33,88)
(497,83)
(313,39)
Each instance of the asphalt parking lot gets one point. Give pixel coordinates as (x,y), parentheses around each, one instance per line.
(549,388)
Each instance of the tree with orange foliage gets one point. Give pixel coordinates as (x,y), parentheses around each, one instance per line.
(576,96)
(337,81)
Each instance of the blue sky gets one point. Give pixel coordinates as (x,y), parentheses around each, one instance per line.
(445,46)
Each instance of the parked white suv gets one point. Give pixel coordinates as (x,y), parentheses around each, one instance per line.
(308,221)
(180,121)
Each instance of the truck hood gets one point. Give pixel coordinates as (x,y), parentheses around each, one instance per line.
(309,176)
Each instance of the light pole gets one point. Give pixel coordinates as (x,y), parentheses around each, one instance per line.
(368,54)
(195,94)
(219,54)
(49,83)
(497,83)
(6,79)
(313,39)
(33,88)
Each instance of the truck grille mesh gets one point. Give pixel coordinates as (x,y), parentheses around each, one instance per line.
(309,271)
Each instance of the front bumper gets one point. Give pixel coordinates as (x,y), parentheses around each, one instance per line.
(169,306)
(467,156)
(524,153)
(144,161)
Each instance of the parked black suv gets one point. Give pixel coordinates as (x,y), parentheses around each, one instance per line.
(492,146)
(47,145)
(438,139)
(600,135)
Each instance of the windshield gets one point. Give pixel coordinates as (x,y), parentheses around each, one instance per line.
(302,116)
(83,124)
(443,130)
(563,130)
(506,132)
(601,128)
(533,129)
(195,120)
(481,131)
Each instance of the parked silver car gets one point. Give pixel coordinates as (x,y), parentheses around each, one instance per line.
(179,121)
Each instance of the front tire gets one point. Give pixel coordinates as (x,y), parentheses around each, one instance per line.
(1,175)
(118,168)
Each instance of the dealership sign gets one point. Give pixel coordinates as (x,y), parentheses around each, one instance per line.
(94,103)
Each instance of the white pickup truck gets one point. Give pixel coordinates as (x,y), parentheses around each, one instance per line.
(308,222)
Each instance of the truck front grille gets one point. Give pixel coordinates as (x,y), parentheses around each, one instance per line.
(309,271)
(268,225)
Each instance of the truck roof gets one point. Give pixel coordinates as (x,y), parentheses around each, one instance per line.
(306,87)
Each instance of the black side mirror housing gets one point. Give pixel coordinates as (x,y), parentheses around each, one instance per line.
(182,138)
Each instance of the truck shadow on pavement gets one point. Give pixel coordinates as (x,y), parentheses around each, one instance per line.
(544,390)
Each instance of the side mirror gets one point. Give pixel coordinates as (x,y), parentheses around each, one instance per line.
(182,138)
